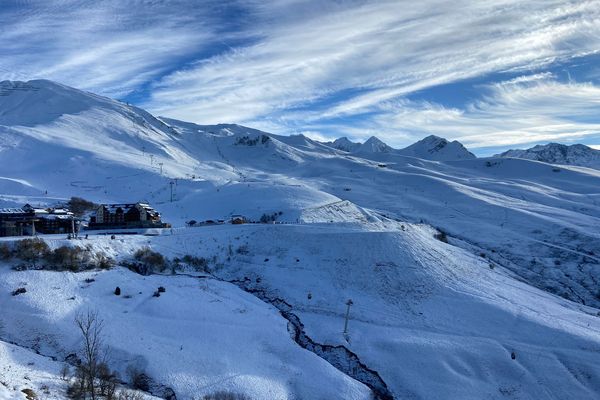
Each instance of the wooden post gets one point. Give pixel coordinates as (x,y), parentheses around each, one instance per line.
(348,303)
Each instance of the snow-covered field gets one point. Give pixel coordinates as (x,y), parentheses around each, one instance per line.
(434,320)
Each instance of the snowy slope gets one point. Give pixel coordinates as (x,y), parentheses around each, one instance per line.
(178,338)
(22,369)
(440,308)
(434,321)
(539,221)
(555,153)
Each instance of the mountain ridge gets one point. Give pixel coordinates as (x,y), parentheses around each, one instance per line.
(556,153)
(430,147)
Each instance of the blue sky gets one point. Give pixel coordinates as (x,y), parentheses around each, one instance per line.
(492,74)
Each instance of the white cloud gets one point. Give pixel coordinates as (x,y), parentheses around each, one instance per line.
(292,66)
(386,49)
(524,110)
(110,47)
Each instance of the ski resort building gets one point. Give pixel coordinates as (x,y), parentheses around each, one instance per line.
(120,216)
(238,219)
(16,222)
(28,220)
(53,220)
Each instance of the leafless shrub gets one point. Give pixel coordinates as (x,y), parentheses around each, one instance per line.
(70,258)
(129,395)
(31,250)
(5,252)
(138,378)
(79,206)
(148,261)
(223,395)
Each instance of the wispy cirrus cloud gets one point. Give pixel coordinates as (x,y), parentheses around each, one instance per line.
(524,110)
(110,47)
(384,49)
(329,68)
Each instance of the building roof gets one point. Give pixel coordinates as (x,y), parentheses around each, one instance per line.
(58,216)
(11,211)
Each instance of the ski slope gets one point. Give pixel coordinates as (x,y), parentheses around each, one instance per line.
(519,274)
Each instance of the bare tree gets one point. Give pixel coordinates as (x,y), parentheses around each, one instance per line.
(90,326)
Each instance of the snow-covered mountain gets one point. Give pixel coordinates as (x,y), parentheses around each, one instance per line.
(430,148)
(436,148)
(514,271)
(555,153)
(373,145)
(344,144)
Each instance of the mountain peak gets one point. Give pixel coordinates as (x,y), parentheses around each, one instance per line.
(40,101)
(437,148)
(557,153)
(344,144)
(374,145)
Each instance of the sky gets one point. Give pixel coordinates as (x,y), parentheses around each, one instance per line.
(491,74)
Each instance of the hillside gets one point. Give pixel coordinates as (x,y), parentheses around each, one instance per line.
(414,297)
(555,153)
(518,272)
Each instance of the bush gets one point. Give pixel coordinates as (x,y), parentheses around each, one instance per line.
(149,261)
(243,250)
(267,218)
(66,257)
(31,250)
(79,206)
(19,291)
(138,379)
(108,381)
(29,394)
(129,395)
(5,252)
(441,236)
(223,395)
(199,263)
(103,262)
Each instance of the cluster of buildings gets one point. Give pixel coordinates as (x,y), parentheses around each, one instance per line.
(29,220)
